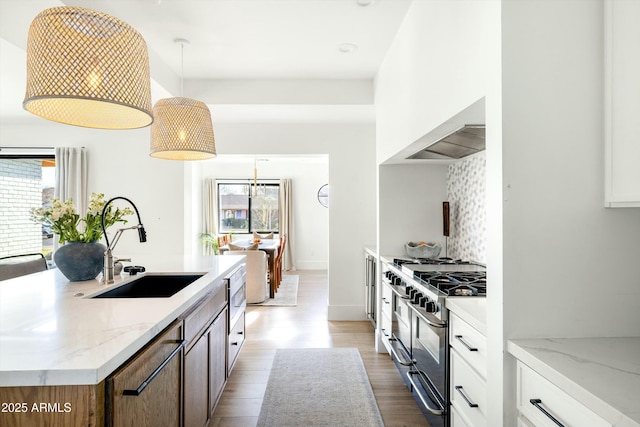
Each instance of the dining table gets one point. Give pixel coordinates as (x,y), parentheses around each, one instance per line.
(270,247)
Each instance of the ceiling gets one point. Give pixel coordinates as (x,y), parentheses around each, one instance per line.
(272,44)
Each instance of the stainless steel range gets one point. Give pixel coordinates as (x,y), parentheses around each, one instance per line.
(419,340)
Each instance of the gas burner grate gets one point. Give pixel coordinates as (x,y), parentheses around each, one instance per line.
(455,283)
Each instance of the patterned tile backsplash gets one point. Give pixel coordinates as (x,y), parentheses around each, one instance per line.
(466,186)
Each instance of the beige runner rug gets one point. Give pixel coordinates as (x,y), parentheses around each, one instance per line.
(325,387)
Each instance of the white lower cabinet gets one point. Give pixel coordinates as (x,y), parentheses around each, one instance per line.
(541,403)
(456,419)
(468,385)
(523,422)
(385,314)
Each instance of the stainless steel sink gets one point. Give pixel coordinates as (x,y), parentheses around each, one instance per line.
(152,286)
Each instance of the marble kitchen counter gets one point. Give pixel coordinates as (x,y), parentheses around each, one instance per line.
(49,335)
(472,310)
(601,373)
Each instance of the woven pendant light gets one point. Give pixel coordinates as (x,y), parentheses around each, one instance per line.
(87,68)
(182,129)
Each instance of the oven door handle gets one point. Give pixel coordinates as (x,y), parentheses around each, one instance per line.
(435,411)
(431,323)
(395,354)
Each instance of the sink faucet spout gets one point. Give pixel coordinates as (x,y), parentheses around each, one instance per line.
(108,267)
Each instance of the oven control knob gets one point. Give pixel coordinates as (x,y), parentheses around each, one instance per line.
(416,297)
(396,280)
(408,290)
(423,301)
(430,307)
(388,274)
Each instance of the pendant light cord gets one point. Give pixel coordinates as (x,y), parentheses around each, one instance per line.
(182,43)
(182,69)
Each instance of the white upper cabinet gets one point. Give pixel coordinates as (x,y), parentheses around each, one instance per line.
(622,103)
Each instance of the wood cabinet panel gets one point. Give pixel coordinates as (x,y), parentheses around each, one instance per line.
(203,312)
(236,340)
(196,384)
(158,402)
(217,359)
(53,406)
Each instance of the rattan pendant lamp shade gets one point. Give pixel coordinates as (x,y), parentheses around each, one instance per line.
(87,68)
(182,129)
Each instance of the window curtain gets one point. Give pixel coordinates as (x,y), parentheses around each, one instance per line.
(72,171)
(286,223)
(210,211)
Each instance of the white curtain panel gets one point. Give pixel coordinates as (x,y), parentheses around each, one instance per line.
(72,172)
(210,214)
(286,223)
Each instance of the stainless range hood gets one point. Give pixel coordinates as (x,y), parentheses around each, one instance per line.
(463,142)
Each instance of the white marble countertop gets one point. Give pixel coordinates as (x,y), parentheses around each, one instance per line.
(51,336)
(601,373)
(472,310)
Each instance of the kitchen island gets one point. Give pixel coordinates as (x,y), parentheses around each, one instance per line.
(69,359)
(53,333)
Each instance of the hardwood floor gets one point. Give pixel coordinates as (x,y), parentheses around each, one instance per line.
(306,326)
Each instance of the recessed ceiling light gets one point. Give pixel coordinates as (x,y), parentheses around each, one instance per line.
(364,2)
(347,47)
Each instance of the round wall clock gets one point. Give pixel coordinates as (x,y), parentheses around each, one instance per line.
(323,195)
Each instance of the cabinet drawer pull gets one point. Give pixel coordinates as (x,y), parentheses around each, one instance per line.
(146,382)
(538,404)
(464,343)
(460,390)
(385,301)
(384,332)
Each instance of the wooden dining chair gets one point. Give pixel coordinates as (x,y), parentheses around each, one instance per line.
(278,262)
(223,240)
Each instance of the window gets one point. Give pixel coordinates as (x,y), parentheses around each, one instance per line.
(244,208)
(26,181)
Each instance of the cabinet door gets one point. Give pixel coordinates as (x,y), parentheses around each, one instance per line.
(217,359)
(145,391)
(622,103)
(236,340)
(196,384)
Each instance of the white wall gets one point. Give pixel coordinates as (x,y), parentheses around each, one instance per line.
(308,174)
(411,206)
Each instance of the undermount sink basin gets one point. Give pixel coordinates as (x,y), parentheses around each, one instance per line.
(152,286)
